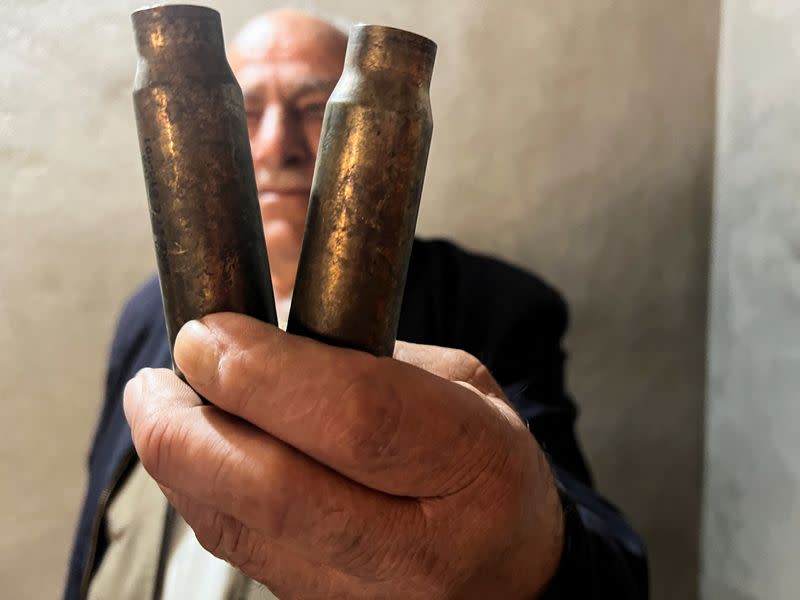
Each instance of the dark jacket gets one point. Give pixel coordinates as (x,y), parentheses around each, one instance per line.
(510,320)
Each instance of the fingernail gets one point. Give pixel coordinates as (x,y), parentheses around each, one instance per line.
(197,353)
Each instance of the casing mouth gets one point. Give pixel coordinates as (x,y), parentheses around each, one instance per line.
(377,47)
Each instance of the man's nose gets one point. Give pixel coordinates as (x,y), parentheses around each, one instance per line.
(279,141)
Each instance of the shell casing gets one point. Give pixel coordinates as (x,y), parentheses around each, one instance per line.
(365,194)
(204,211)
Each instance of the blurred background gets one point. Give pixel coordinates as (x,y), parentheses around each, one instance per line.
(573,138)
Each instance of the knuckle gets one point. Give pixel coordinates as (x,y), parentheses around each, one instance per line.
(235,542)
(152,442)
(481,375)
(469,367)
(459,364)
(486,384)
(210,537)
(462,357)
(227,538)
(158,435)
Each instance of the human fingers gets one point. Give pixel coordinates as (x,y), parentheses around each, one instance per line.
(389,425)
(286,573)
(451,364)
(222,462)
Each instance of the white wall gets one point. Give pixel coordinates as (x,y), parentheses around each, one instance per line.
(752,491)
(571,137)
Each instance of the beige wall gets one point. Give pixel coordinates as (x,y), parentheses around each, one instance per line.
(751,509)
(571,137)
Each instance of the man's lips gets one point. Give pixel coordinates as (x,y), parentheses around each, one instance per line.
(286,204)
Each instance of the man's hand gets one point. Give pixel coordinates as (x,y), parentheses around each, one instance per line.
(329,473)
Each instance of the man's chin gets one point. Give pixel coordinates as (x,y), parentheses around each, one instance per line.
(283,251)
(283,240)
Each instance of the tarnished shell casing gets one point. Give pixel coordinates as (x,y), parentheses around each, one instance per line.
(366,191)
(204,210)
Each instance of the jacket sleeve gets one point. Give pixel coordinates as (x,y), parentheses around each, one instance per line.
(138,338)
(603,557)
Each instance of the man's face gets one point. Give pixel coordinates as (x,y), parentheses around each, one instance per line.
(287,65)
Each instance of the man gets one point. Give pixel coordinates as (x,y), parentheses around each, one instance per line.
(322,472)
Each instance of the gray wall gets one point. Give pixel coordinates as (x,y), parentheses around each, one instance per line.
(752,491)
(574,138)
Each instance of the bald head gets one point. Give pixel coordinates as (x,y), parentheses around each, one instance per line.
(285,32)
(287,63)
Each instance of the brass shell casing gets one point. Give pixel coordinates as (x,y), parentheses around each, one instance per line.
(365,194)
(204,210)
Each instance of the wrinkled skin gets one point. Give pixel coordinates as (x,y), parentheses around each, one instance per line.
(328,473)
(324,472)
